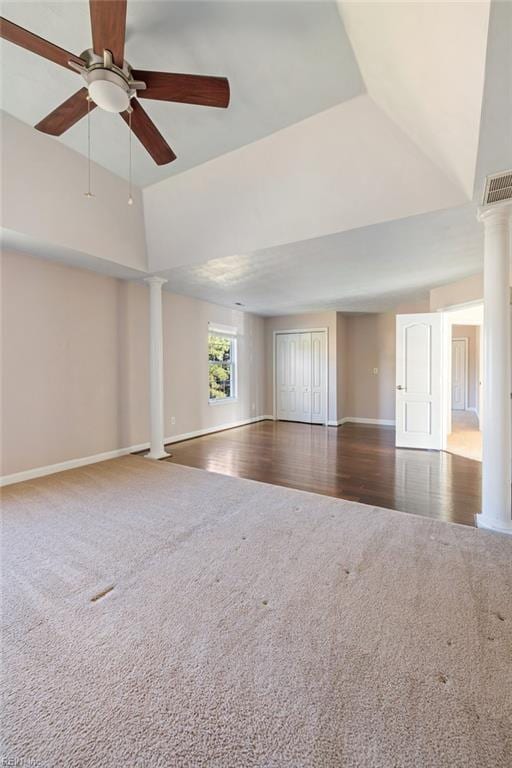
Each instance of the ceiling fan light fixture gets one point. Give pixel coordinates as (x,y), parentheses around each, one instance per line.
(108,90)
(112,84)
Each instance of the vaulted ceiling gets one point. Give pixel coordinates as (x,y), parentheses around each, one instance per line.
(284,61)
(423,63)
(345,172)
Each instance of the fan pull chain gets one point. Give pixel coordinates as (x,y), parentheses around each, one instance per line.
(130,198)
(89,192)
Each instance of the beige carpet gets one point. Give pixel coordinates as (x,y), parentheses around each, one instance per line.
(161,616)
(466,438)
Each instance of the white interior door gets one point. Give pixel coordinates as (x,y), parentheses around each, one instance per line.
(318,377)
(418,381)
(286,354)
(459,374)
(304,376)
(301,382)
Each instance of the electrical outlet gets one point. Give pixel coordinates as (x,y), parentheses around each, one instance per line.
(375,371)
(173,419)
(254,406)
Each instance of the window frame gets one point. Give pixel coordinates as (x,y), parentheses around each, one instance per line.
(233,362)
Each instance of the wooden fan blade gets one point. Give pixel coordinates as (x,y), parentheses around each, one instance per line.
(31,42)
(149,135)
(189,89)
(108,24)
(67,114)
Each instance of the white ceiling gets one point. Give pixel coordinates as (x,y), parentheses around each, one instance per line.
(284,60)
(349,166)
(423,63)
(371,269)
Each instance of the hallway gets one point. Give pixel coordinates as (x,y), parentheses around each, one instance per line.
(466,438)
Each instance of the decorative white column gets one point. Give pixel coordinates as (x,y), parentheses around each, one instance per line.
(496,466)
(156,369)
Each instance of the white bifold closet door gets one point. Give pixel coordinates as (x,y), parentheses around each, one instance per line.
(301,376)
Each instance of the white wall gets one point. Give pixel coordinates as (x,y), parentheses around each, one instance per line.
(75,364)
(43,185)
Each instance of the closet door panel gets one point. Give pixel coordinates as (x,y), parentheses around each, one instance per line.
(300,377)
(293,377)
(304,370)
(282,375)
(318,381)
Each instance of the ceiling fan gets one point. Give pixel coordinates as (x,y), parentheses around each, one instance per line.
(112,84)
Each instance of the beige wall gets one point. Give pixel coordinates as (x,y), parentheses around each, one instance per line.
(186,365)
(60,363)
(75,375)
(472,334)
(460,292)
(42,184)
(368,341)
(302,322)
(370,344)
(74,363)
(358,343)
(470,289)
(342,367)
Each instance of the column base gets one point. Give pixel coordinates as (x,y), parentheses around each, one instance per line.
(489,526)
(157,455)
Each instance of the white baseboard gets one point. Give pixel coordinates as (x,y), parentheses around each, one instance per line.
(50,469)
(359,420)
(209,430)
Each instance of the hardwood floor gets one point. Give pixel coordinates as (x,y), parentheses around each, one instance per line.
(358,462)
(465,438)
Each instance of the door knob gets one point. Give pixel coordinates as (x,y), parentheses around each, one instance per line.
(400,387)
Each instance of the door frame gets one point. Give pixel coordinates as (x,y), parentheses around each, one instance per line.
(480,404)
(284,331)
(448,322)
(466,371)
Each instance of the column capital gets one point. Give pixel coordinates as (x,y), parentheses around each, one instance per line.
(155,280)
(500,213)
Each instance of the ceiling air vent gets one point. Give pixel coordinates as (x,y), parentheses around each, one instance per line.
(498,187)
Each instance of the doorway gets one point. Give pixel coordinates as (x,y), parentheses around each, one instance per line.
(460,383)
(439,370)
(464,384)
(300,385)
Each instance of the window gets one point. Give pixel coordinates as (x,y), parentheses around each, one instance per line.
(222,366)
